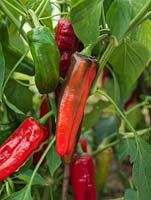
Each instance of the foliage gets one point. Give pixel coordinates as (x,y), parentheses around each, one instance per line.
(118,34)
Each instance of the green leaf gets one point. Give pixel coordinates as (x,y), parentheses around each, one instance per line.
(139,152)
(20,96)
(127,147)
(20,195)
(137,5)
(38,180)
(143,34)
(104,127)
(118,17)
(141,170)
(2,70)
(85,16)
(107,5)
(130,195)
(14,35)
(53,160)
(92,113)
(128,62)
(13,107)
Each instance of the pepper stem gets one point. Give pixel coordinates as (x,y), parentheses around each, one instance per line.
(66,177)
(45,117)
(34,18)
(88,49)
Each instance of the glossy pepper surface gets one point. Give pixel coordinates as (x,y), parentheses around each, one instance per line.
(82,178)
(67,43)
(72,101)
(46,58)
(19,146)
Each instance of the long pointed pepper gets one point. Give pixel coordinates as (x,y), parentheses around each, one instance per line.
(74,94)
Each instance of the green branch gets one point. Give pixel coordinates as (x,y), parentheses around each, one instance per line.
(103,60)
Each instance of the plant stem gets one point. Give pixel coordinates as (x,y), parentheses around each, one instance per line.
(144,103)
(13,19)
(65,181)
(21,6)
(37,167)
(40,7)
(15,8)
(87,51)
(45,18)
(43,8)
(13,69)
(103,16)
(139,16)
(118,110)
(53,104)
(105,57)
(104,147)
(124,136)
(51,193)
(45,117)
(34,18)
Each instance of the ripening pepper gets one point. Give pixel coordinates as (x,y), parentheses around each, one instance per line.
(102,166)
(72,101)
(43,110)
(19,146)
(82,178)
(46,58)
(67,43)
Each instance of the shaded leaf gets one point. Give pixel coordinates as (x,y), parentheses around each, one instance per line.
(85,16)
(104,127)
(131,194)
(13,107)
(2,70)
(20,96)
(53,160)
(20,195)
(38,180)
(120,11)
(128,62)
(143,34)
(91,117)
(139,152)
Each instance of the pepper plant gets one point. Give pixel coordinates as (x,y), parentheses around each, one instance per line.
(75,73)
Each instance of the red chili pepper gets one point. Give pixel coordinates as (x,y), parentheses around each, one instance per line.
(72,102)
(83,144)
(82,178)
(19,146)
(43,110)
(67,43)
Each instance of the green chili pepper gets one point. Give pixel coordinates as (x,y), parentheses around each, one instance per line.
(46,58)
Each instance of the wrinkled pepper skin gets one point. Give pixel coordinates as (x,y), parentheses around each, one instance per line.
(67,43)
(43,110)
(46,58)
(19,146)
(82,178)
(72,101)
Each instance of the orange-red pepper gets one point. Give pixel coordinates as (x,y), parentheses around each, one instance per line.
(73,98)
